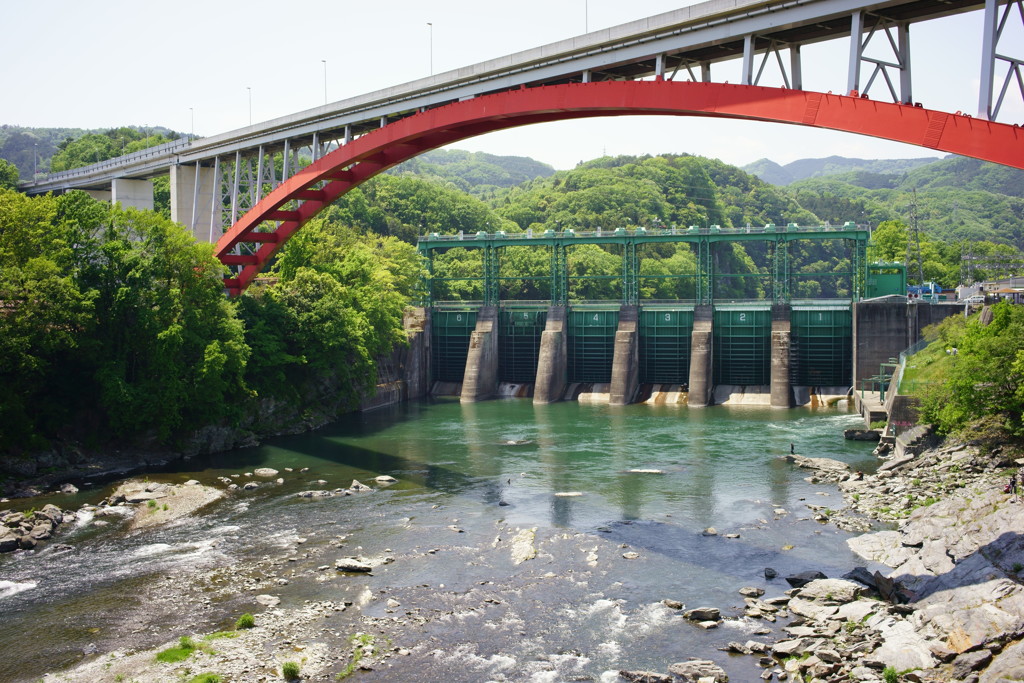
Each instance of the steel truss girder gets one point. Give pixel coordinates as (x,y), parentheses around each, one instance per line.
(705,273)
(780,271)
(492,268)
(559,275)
(354,163)
(630,274)
(995,23)
(898,58)
(791,77)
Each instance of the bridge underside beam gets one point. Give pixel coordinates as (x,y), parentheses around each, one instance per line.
(403,139)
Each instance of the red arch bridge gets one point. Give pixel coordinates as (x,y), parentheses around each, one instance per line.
(660,65)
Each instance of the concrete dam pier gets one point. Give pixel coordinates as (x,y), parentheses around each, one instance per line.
(737,353)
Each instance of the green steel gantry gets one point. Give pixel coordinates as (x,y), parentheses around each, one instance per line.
(629,239)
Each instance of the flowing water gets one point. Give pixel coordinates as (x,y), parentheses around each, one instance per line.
(469,478)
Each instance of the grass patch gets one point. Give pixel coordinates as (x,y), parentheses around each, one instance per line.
(247,620)
(221,634)
(359,642)
(206,678)
(290,671)
(151,504)
(186,646)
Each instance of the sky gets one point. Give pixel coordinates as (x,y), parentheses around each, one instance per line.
(193,65)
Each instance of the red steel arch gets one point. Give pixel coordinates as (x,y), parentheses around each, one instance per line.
(269,226)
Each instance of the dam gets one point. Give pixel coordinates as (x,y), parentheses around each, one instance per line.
(705,349)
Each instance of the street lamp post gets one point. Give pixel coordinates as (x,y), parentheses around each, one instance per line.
(325,79)
(250,104)
(431,47)
(192,111)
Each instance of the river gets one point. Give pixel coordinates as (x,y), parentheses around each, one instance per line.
(469,478)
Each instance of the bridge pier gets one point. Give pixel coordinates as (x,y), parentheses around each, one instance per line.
(781,393)
(193,200)
(136,194)
(481,379)
(701,350)
(552,359)
(626,359)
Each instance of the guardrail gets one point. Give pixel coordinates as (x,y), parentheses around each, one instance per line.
(637,232)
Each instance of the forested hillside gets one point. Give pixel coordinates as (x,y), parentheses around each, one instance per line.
(57,149)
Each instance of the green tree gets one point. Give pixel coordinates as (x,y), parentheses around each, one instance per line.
(8,175)
(983,395)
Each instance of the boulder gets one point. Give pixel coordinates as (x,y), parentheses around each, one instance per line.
(68,488)
(267,472)
(314,494)
(698,669)
(8,540)
(52,513)
(672,604)
(824,465)
(268,600)
(385,479)
(862,434)
(751,592)
(804,578)
(358,486)
(831,591)
(770,573)
(351,564)
(703,614)
(646,677)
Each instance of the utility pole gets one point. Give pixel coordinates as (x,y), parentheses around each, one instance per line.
(250,103)
(431,29)
(325,80)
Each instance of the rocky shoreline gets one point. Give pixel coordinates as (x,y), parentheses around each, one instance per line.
(951,608)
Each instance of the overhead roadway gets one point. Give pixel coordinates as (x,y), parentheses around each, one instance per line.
(683,43)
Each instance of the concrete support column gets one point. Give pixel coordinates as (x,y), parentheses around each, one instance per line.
(553,358)
(701,350)
(416,368)
(481,377)
(626,360)
(137,194)
(782,396)
(191,203)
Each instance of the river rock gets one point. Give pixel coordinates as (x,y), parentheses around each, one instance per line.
(697,669)
(751,592)
(267,472)
(358,486)
(351,564)
(672,604)
(385,479)
(8,540)
(831,591)
(703,614)
(250,485)
(68,488)
(268,600)
(52,513)
(862,434)
(646,677)
(804,578)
